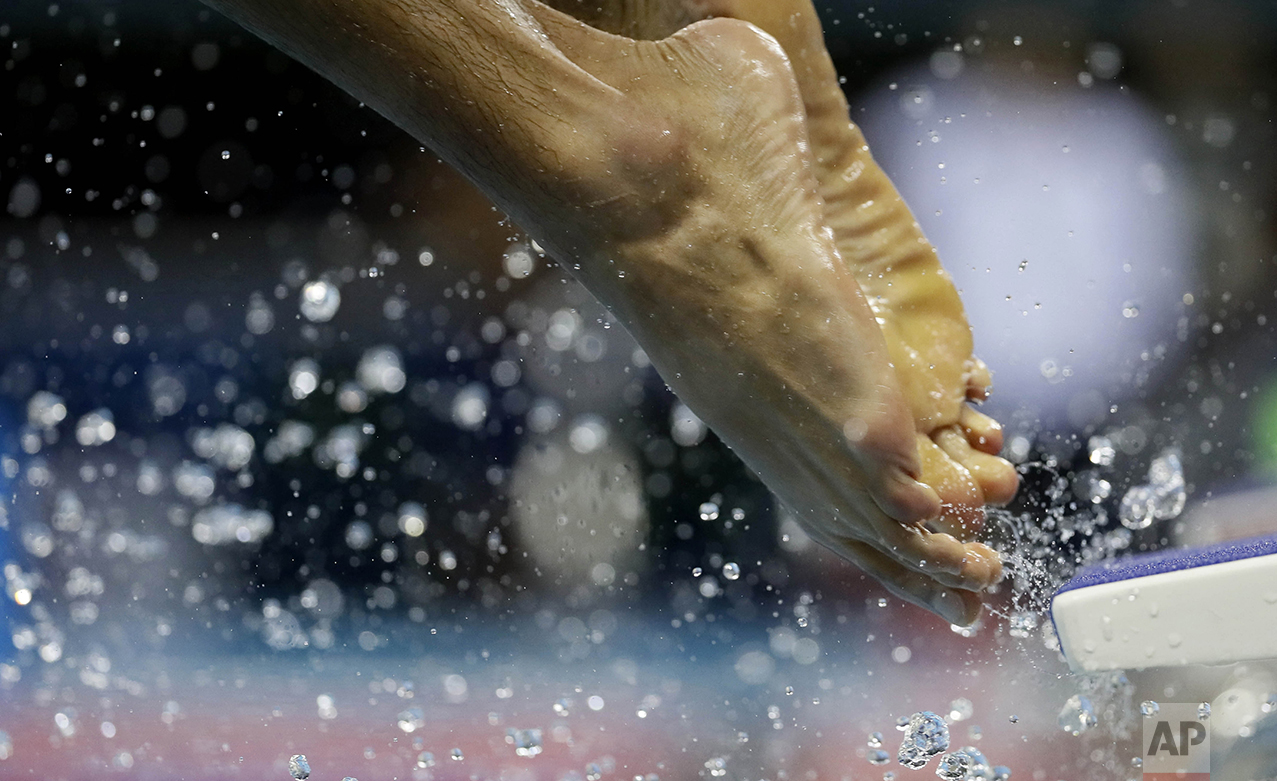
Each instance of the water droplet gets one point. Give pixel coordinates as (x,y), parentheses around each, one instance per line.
(224,524)
(46,410)
(326,707)
(1101,451)
(1077,715)
(95,428)
(380,370)
(320,301)
(562,706)
(1022,623)
(878,757)
(961,709)
(926,735)
(456,755)
(527,742)
(303,378)
(954,766)
(875,740)
(298,767)
(1166,479)
(709,511)
(425,760)
(1149,708)
(731,571)
(412,719)
(1136,510)
(1203,711)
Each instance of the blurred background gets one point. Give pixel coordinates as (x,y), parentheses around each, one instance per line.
(306,449)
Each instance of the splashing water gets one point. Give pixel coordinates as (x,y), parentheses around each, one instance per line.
(229,523)
(961,709)
(1162,498)
(320,301)
(1077,715)
(526,742)
(926,735)
(380,370)
(979,763)
(954,766)
(1071,526)
(412,719)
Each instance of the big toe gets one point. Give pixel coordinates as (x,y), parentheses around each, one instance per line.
(904,499)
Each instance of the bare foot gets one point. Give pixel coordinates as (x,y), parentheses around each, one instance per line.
(912,296)
(921,315)
(716,255)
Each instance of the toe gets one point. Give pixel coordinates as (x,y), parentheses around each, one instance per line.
(983,432)
(904,499)
(941,556)
(979,380)
(995,477)
(955,605)
(962,501)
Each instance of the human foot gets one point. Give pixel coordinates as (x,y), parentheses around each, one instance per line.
(739,297)
(927,335)
(913,297)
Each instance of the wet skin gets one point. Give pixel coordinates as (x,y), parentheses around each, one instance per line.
(913,297)
(676,178)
